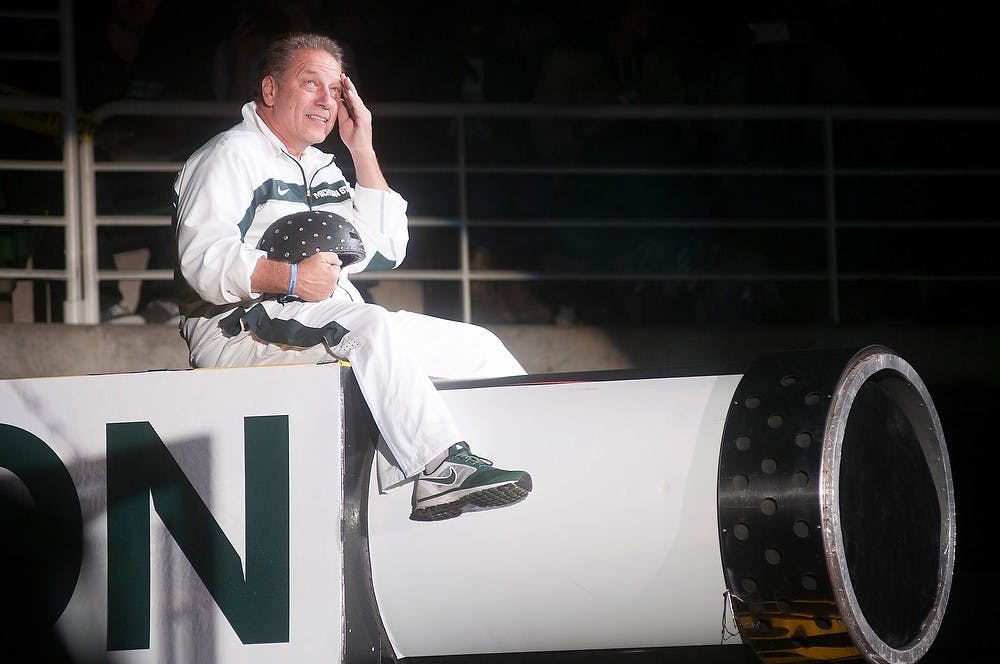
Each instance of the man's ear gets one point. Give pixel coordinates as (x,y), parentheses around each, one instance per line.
(267,90)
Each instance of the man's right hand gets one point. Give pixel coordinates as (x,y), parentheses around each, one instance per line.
(317,276)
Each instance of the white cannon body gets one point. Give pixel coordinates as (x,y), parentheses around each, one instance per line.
(672,510)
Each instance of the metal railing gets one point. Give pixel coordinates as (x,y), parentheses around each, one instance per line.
(822,169)
(62,109)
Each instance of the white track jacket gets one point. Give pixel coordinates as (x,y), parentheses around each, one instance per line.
(233,187)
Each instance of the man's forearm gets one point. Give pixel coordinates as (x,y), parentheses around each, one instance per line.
(270,276)
(367,170)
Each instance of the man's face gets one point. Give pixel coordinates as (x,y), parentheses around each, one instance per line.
(301,107)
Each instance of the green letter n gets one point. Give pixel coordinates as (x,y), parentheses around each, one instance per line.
(139,465)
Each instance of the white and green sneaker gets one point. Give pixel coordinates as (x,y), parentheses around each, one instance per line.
(465,482)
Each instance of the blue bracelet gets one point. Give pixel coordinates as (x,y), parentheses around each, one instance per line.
(291,282)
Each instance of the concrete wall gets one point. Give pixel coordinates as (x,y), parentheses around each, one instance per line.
(33,350)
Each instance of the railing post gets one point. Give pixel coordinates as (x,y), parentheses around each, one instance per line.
(72,306)
(74,310)
(833,275)
(463,217)
(88,228)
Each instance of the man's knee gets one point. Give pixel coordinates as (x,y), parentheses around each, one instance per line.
(485,338)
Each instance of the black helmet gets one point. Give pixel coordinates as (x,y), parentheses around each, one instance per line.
(297,236)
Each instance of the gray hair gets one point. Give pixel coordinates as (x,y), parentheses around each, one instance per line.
(278,55)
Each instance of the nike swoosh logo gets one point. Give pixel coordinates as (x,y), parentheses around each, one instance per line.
(447,479)
(282,192)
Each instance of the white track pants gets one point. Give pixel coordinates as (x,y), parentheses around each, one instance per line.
(393,356)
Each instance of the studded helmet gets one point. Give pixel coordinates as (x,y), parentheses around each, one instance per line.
(297,236)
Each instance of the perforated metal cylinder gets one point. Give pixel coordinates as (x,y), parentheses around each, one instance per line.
(812,492)
(836,508)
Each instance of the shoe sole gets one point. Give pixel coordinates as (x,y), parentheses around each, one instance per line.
(478,501)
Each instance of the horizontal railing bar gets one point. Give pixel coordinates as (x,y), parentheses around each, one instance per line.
(25,165)
(521,275)
(45,104)
(29,13)
(536,111)
(500,275)
(135,275)
(31,220)
(133,220)
(692,111)
(32,273)
(137,166)
(27,56)
(613,223)
(803,171)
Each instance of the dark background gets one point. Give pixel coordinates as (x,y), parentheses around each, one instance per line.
(885,53)
(835,53)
